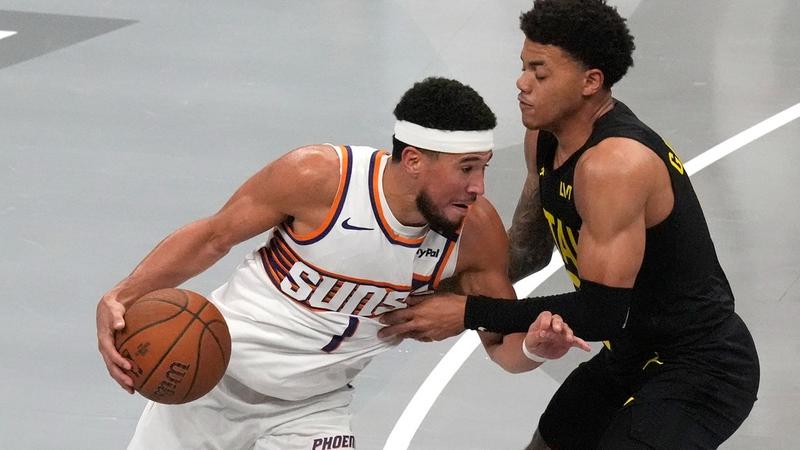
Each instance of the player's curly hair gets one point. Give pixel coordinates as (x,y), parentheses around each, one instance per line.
(443,104)
(591,31)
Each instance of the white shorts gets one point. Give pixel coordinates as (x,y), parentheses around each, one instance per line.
(233,416)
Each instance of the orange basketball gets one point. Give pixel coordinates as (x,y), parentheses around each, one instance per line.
(179,345)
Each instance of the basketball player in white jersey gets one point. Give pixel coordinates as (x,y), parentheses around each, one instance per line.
(351,232)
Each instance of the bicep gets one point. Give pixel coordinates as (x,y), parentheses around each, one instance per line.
(611,253)
(611,200)
(247,213)
(266,199)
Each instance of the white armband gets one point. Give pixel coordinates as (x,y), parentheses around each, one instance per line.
(532,356)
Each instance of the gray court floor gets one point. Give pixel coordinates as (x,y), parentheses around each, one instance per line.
(120,121)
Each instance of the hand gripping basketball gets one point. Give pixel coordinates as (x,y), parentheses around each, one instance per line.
(178,344)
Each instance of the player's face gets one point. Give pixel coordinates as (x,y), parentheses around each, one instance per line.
(550,86)
(453,183)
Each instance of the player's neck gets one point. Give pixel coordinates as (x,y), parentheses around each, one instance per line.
(574,130)
(401,196)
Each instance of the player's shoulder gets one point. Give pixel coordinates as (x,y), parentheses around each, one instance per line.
(309,168)
(616,157)
(312,160)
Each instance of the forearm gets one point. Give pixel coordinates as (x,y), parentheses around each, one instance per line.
(180,256)
(595,312)
(505,352)
(530,244)
(500,349)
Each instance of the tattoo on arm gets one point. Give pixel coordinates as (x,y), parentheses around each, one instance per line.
(530,243)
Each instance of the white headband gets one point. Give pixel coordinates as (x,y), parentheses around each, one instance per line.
(443,140)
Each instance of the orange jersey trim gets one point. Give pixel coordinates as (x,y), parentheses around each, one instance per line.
(378,207)
(451,246)
(335,209)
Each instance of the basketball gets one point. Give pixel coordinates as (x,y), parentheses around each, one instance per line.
(179,345)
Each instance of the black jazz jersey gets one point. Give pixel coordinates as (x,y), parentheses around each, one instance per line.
(682,339)
(681,293)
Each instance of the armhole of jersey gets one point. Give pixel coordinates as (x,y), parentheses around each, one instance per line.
(377,207)
(676,181)
(544,158)
(663,154)
(441,268)
(345,170)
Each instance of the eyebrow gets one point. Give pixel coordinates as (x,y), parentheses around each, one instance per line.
(472,158)
(535,62)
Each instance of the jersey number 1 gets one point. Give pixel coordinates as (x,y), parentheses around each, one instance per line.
(336,341)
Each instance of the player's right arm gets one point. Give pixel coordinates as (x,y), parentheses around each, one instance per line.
(302,184)
(530,244)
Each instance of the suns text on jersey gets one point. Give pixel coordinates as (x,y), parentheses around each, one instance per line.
(320,291)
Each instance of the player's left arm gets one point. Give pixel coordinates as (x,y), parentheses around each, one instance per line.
(483,268)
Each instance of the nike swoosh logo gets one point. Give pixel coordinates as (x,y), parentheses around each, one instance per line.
(346,225)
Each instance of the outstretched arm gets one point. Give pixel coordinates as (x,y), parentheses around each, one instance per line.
(259,204)
(482,267)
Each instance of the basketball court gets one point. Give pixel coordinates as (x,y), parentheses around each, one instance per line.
(123,120)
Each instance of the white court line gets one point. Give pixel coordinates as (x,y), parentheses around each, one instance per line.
(5,34)
(747,136)
(422,401)
(434,384)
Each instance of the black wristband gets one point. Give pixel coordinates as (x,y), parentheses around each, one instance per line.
(594,312)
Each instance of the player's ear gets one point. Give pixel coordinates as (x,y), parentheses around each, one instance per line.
(593,80)
(411,159)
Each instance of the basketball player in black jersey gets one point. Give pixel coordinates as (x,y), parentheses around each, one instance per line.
(679,368)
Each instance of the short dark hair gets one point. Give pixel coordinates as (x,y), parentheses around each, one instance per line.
(590,31)
(442,104)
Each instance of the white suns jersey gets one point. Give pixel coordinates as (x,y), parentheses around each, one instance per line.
(302,310)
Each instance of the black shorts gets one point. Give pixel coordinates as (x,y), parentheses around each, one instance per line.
(657,403)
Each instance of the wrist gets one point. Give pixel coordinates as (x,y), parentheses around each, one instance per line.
(477,313)
(503,316)
(532,356)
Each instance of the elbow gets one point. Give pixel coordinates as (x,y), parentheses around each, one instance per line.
(214,237)
(517,369)
(508,366)
(217,247)
(216,244)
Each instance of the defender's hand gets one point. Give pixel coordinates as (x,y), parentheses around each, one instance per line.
(550,337)
(431,317)
(109,319)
